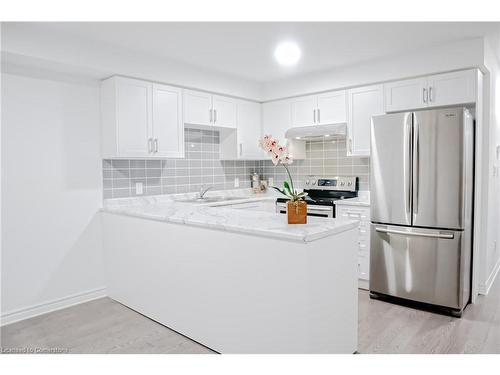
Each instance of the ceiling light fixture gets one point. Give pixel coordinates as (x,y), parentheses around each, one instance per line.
(287,53)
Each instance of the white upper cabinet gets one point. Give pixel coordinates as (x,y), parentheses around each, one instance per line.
(407,94)
(322,109)
(133,112)
(431,91)
(242,143)
(141,119)
(304,110)
(276,120)
(224,111)
(249,130)
(364,102)
(452,88)
(197,108)
(332,108)
(205,109)
(168,127)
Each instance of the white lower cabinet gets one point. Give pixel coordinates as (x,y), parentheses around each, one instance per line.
(362,214)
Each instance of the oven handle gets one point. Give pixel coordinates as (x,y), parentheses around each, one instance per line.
(309,208)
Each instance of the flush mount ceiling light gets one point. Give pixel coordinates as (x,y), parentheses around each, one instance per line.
(287,53)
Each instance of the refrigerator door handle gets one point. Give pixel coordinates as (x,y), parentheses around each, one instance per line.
(416,160)
(445,236)
(408,162)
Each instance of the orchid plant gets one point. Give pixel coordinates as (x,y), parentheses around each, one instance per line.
(279,155)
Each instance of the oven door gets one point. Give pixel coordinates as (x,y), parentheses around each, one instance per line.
(312,210)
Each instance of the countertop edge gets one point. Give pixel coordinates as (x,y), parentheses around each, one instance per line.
(347,225)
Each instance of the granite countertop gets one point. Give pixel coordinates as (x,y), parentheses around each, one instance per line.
(218,215)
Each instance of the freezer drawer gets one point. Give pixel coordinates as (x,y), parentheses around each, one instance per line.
(424,265)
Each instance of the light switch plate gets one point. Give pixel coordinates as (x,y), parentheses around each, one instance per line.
(138,188)
(236,182)
(270,181)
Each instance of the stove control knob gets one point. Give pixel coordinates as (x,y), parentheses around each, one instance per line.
(342,183)
(349,183)
(314,182)
(307,182)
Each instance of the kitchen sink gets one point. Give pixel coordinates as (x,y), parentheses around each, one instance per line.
(209,199)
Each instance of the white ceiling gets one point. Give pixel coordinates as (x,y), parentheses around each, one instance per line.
(246,49)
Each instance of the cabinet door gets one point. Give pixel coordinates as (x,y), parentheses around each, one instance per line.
(452,88)
(276,119)
(332,108)
(364,102)
(197,108)
(304,110)
(225,112)
(363,215)
(249,130)
(134,117)
(405,95)
(168,128)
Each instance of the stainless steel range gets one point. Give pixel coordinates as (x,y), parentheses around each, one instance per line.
(322,193)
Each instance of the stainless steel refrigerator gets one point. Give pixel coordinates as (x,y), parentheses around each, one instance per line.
(421,212)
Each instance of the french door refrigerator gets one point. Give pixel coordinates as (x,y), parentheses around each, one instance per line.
(421,211)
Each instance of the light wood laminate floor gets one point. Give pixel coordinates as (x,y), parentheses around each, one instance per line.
(105,326)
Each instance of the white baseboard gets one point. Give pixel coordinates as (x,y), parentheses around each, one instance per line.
(485,288)
(44,308)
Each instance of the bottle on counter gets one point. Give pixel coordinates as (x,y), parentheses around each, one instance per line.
(255,178)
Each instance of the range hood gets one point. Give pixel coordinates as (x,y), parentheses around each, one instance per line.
(316,132)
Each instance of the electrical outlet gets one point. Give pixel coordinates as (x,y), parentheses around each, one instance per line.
(138,188)
(236,182)
(270,181)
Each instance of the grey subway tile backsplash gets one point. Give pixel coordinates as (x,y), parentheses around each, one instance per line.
(326,158)
(202,166)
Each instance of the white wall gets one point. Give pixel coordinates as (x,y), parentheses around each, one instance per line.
(51,192)
(458,55)
(490,261)
(26,48)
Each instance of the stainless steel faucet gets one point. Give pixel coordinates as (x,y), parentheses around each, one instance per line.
(203,191)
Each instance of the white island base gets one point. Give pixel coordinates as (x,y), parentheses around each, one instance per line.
(235,292)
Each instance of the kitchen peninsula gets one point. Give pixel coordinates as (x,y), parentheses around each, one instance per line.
(232,275)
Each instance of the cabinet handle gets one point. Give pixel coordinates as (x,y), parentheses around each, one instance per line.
(319,115)
(350,146)
(156,144)
(241,149)
(215,116)
(210,115)
(150,145)
(424,95)
(314,116)
(430,94)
